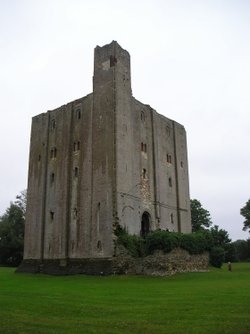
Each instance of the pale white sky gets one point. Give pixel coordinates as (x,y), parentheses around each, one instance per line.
(190,62)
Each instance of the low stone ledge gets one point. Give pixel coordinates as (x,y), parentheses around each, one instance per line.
(88,266)
(160,264)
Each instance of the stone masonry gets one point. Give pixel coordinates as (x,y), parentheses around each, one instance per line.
(102,160)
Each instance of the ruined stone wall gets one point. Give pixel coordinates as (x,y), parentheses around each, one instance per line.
(160,264)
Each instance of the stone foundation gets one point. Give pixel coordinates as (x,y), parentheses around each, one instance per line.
(158,264)
(95,266)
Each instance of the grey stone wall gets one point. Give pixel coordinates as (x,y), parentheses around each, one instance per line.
(160,264)
(101,160)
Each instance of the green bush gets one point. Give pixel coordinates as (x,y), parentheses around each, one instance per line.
(230,253)
(133,243)
(196,243)
(217,256)
(162,240)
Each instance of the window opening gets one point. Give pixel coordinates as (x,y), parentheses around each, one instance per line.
(113,61)
(99,245)
(52,214)
(52,178)
(172,218)
(170,182)
(78,113)
(53,124)
(145,224)
(144,147)
(142,116)
(169,158)
(53,153)
(75,212)
(76,146)
(144,172)
(76,171)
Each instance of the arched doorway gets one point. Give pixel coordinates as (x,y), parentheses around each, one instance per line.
(145,224)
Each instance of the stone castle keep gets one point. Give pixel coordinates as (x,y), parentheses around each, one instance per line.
(102,160)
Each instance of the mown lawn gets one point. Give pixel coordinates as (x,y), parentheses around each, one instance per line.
(214,302)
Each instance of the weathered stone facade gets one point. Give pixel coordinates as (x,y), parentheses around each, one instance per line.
(103,159)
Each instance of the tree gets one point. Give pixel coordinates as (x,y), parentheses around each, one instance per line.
(217,256)
(231,252)
(220,237)
(200,217)
(245,212)
(12,232)
(242,249)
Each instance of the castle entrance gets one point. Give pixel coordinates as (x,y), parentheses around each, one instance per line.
(145,224)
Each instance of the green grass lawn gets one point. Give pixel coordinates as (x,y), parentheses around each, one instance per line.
(214,302)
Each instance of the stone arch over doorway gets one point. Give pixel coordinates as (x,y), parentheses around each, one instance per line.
(145,223)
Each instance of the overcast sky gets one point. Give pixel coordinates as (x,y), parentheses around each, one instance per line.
(189,61)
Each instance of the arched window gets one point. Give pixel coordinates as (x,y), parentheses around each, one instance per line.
(78,113)
(145,224)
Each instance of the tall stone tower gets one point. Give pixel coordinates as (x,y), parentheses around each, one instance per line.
(102,160)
